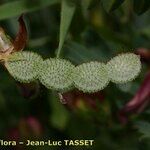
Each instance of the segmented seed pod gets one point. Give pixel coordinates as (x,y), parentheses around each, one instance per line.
(24,66)
(57,74)
(124,67)
(91,77)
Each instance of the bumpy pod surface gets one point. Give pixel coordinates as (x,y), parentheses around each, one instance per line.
(91,77)
(124,67)
(57,74)
(24,66)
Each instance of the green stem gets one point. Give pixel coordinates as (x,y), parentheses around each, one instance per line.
(58,52)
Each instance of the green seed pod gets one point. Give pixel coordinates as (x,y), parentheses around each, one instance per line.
(124,67)
(91,77)
(24,66)
(57,74)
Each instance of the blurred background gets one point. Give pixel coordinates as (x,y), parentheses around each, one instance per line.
(116,118)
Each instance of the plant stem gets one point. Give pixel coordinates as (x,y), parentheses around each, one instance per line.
(58,52)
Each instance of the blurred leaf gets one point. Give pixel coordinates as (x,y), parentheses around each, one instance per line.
(37,42)
(144,129)
(141,6)
(113,38)
(126,87)
(146,31)
(67,12)
(81,127)
(12,9)
(78,53)
(2,102)
(110,5)
(85,5)
(59,115)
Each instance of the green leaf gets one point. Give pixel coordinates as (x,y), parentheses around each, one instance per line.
(59,116)
(145,31)
(12,9)
(67,12)
(78,53)
(144,129)
(141,6)
(24,66)
(110,5)
(85,5)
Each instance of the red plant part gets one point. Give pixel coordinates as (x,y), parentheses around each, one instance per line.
(139,101)
(21,37)
(8,46)
(144,54)
(26,127)
(28,90)
(71,99)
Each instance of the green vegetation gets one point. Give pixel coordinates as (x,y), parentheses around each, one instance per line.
(76,46)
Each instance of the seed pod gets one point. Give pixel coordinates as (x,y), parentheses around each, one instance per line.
(124,67)
(57,74)
(24,66)
(91,77)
